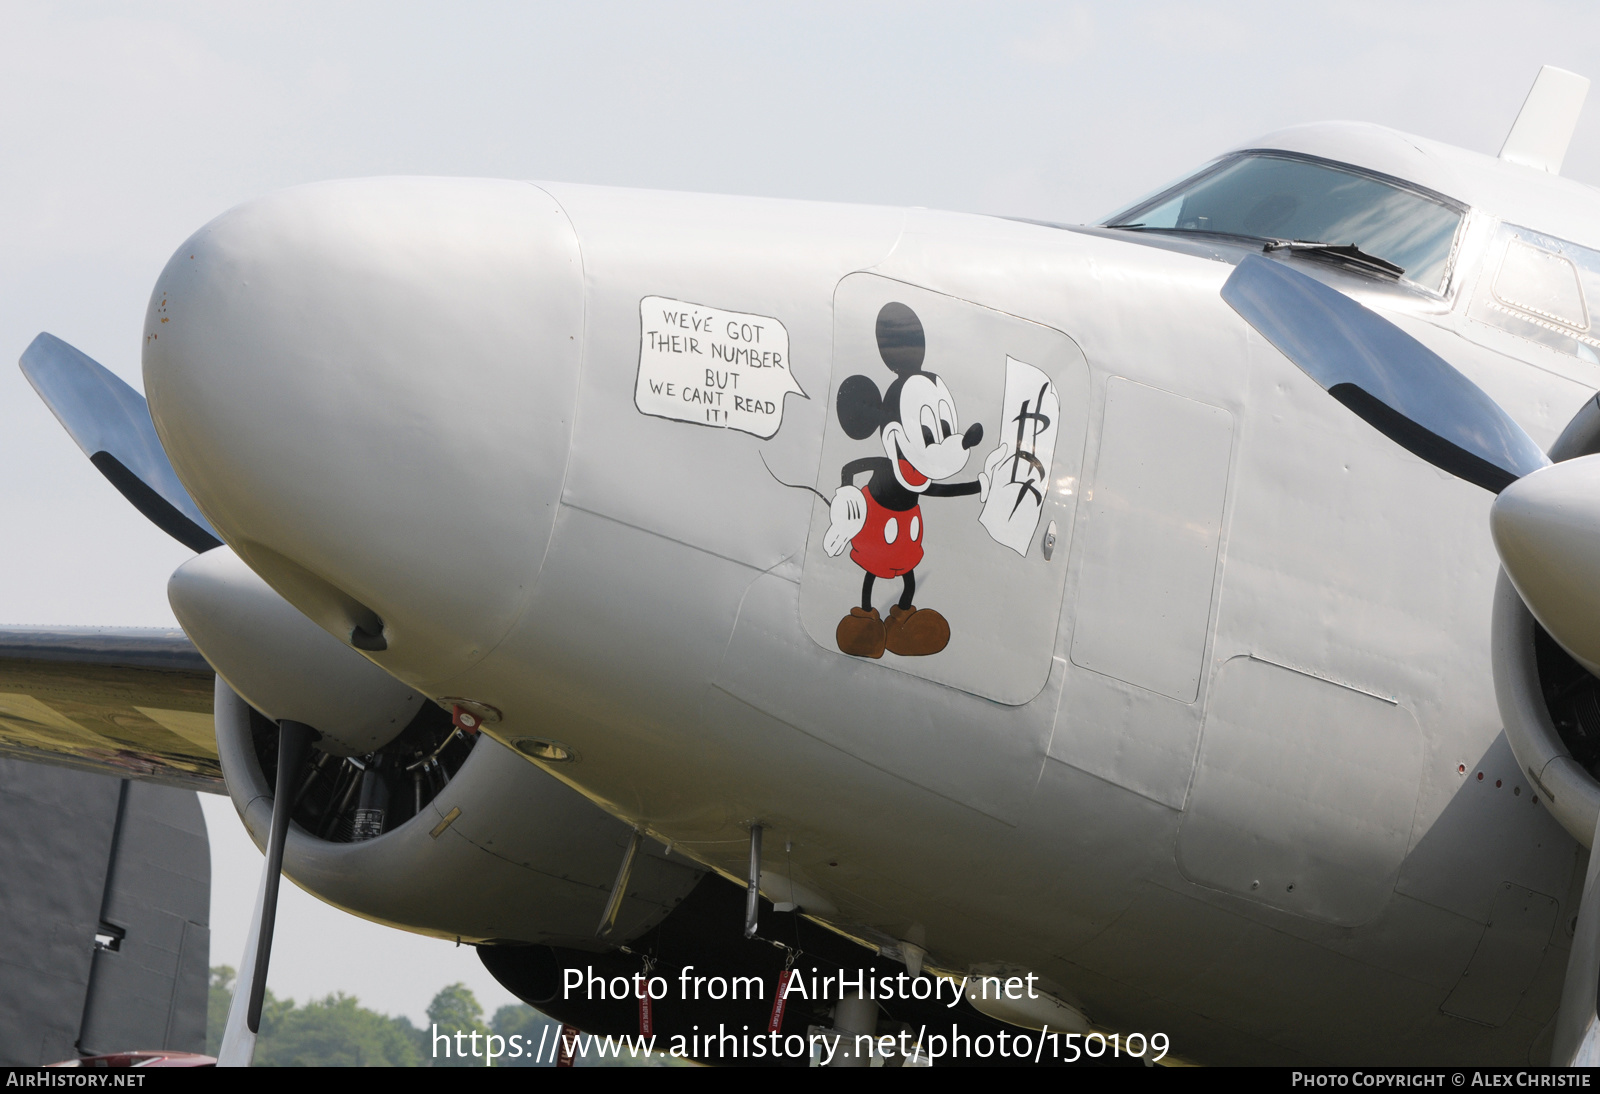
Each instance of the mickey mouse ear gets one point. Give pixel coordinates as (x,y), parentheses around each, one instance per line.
(900,339)
(860,407)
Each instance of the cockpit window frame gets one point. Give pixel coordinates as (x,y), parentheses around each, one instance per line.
(1447,284)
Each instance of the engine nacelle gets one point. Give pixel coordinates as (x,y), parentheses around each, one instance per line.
(1536,682)
(500,851)
(1549,703)
(401,816)
(282,663)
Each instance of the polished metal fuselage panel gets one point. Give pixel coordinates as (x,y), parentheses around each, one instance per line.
(1163,838)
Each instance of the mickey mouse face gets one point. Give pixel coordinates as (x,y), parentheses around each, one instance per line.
(926,441)
(916,416)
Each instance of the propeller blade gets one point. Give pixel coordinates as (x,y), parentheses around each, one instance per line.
(111,423)
(244,1014)
(1393,382)
(1546,528)
(1577,1037)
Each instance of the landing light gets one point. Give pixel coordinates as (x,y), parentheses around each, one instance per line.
(540,749)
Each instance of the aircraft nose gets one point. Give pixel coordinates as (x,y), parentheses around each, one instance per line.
(368,388)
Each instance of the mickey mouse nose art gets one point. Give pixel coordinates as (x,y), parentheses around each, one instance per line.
(957,433)
(916,422)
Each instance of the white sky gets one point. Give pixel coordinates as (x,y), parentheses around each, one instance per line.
(124,127)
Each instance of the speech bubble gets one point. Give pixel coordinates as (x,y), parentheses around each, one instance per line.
(713,367)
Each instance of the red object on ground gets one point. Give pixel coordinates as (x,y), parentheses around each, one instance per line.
(159,1057)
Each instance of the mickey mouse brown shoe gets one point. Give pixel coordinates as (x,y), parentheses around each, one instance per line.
(915,632)
(861,633)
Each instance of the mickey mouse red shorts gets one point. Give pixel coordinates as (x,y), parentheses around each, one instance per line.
(890,542)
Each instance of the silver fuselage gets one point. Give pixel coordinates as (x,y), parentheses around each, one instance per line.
(1227,784)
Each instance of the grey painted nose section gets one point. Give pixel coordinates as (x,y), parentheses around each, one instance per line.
(367,387)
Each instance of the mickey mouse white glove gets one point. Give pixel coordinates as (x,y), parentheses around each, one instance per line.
(848,513)
(986,477)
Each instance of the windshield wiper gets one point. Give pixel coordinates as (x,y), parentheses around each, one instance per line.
(1347,253)
(1344,252)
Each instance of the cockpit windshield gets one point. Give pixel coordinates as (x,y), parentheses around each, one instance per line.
(1271,196)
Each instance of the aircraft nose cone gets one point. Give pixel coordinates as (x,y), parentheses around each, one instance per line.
(1546,526)
(368,387)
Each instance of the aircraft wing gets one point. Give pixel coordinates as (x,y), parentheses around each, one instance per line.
(133,703)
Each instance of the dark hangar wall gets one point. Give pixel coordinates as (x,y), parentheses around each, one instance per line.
(83,856)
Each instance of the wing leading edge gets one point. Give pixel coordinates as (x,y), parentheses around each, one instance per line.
(129,702)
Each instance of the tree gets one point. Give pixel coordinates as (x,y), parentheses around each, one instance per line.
(218,999)
(332,1032)
(456,1010)
(523,1020)
(335,1031)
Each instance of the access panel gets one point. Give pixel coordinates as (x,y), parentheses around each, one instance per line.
(1153,531)
(949,477)
(1304,793)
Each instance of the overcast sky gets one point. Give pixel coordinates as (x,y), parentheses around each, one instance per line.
(126,126)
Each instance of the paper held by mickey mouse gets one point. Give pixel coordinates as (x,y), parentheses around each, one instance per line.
(1029,423)
(713,367)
